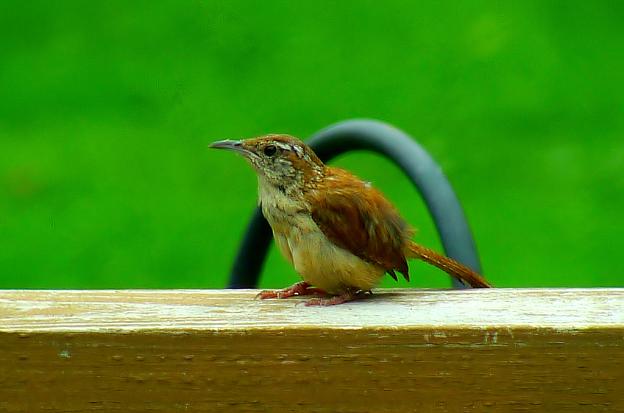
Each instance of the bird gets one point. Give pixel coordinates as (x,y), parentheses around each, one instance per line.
(340,233)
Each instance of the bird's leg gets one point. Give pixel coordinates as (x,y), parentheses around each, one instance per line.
(300,288)
(348,295)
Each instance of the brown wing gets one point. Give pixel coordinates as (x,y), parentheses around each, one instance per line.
(358,218)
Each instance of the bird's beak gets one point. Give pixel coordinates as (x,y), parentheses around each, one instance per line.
(236,146)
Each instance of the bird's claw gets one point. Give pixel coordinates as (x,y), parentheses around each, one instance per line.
(346,296)
(300,288)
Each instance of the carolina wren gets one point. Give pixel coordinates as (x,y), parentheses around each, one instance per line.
(340,234)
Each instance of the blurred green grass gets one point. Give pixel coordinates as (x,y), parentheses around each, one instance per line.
(106,109)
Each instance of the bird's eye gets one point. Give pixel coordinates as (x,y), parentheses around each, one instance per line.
(270,150)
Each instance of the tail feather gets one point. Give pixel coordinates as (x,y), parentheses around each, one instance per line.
(448,265)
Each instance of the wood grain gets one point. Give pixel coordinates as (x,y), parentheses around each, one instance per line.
(401,350)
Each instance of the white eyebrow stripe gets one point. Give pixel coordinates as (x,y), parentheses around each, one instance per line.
(298,150)
(282,145)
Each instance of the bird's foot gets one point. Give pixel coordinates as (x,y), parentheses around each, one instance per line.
(300,288)
(346,296)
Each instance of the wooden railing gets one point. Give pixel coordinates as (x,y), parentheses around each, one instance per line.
(552,350)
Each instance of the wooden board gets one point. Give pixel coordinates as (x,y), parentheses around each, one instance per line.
(401,350)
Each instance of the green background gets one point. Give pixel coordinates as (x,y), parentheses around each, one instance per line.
(106,109)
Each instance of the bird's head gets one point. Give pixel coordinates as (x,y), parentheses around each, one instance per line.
(280,160)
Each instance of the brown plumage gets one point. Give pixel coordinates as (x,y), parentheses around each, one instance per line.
(355,216)
(339,232)
(446,264)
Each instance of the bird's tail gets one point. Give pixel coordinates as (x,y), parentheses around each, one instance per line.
(448,265)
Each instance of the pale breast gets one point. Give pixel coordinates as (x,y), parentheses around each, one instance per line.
(319,261)
(329,267)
